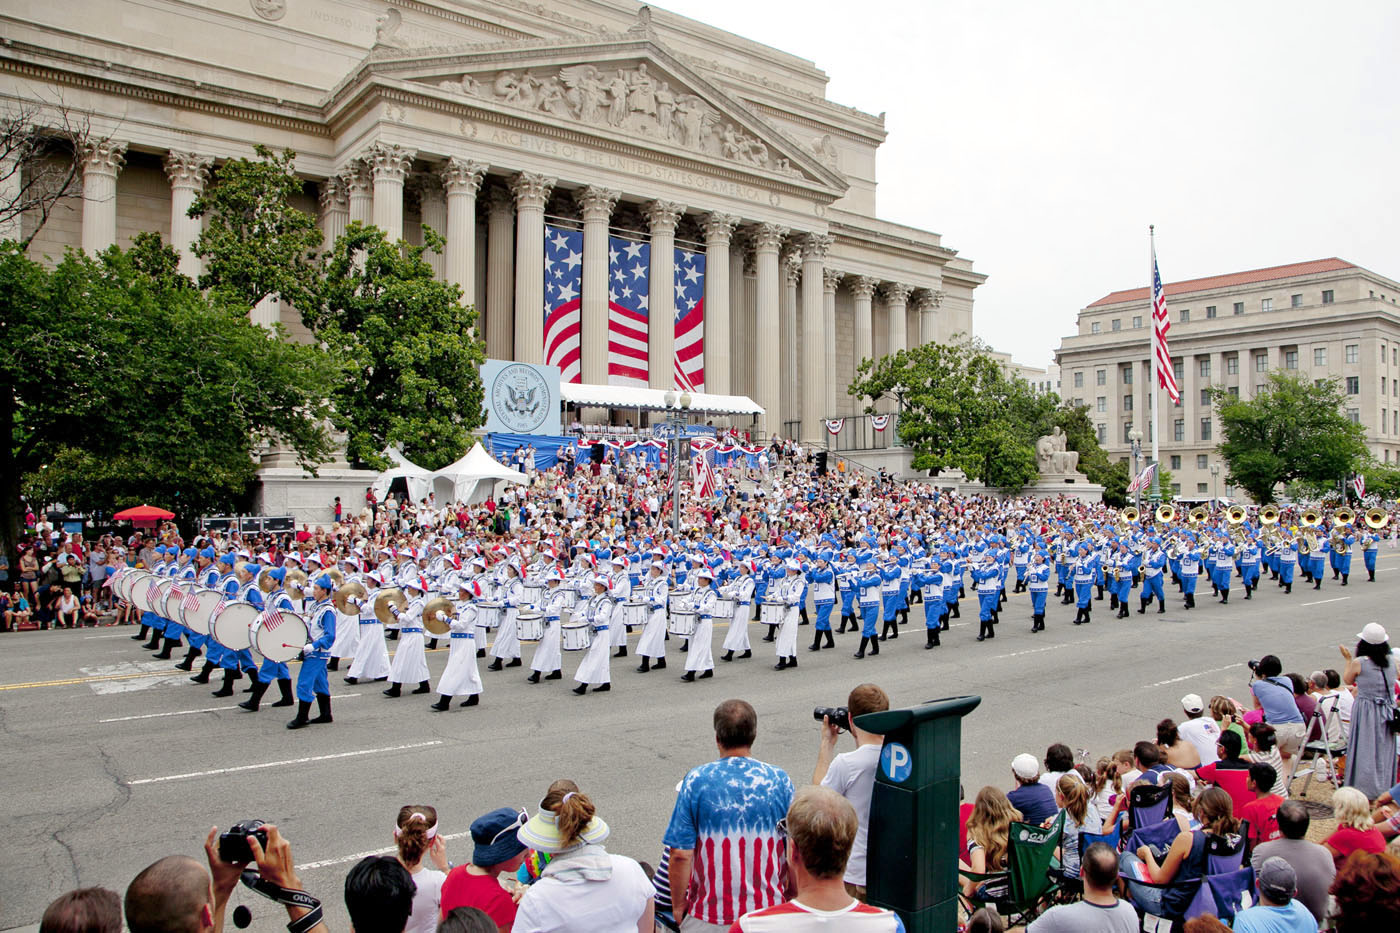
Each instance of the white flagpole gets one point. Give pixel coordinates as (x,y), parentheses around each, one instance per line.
(1155,497)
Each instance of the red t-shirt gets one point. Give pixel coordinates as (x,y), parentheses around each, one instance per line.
(463,889)
(1347,840)
(1262,817)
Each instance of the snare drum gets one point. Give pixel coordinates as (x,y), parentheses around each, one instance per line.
(575,636)
(683,623)
(724,608)
(488,614)
(570,596)
(279,635)
(636,613)
(534,593)
(772,613)
(530,625)
(231,625)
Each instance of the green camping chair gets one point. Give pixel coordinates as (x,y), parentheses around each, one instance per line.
(1032,876)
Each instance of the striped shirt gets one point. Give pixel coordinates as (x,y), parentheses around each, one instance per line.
(795,917)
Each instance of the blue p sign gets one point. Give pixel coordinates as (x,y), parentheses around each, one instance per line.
(896,762)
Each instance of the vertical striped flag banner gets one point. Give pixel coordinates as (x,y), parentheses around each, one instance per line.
(629,293)
(563,297)
(1358,483)
(1143,479)
(690,320)
(1166,375)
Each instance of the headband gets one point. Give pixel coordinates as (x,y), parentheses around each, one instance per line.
(432,830)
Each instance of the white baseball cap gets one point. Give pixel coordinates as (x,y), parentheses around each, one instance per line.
(1025,767)
(1373,634)
(1192,703)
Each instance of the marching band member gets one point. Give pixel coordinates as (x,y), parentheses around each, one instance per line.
(506,648)
(790,593)
(823,581)
(620,589)
(846,576)
(741,590)
(652,645)
(1287,561)
(548,656)
(410,664)
(187,575)
(347,627)
(371,661)
(984,578)
(271,670)
(929,583)
(870,583)
(1085,573)
(1249,556)
(889,596)
(311,679)
(1188,569)
(594,668)
(1370,547)
(1224,568)
(460,677)
(772,595)
(1154,563)
(699,655)
(1037,583)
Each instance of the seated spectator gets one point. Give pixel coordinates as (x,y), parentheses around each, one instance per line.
(1226,716)
(1181,800)
(378,895)
(1263,741)
(1367,893)
(416,836)
(87,611)
(1198,729)
(821,826)
(1312,864)
(1058,760)
(1259,812)
(1356,831)
(1104,787)
(495,851)
(85,910)
(1184,862)
(1100,911)
(468,920)
(1176,751)
(988,835)
(1034,800)
(67,609)
(1278,910)
(1072,797)
(1229,748)
(583,888)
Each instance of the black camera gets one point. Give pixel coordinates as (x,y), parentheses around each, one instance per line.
(233,843)
(1253,666)
(840,716)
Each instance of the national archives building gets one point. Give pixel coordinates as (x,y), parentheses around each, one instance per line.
(491,120)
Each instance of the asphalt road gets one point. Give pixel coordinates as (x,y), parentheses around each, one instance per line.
(111,761)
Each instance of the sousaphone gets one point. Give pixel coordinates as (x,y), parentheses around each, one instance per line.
(1377,518)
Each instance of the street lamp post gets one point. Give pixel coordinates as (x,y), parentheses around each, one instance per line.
(1135,438)
(1215,485)
(677,406)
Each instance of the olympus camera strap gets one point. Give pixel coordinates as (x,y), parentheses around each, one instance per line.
(281,895)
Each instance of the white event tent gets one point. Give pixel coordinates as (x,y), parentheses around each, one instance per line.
(458,481)
(418,480)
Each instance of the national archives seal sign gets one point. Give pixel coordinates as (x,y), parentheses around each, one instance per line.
(521,398)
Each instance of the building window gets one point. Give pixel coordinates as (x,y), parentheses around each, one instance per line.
(1127,403)
(1178,370)
(1176,461)
(1290,359)
(1137,321)
(1261,362)
(1259,389)
(1210,312)
(1116,324)
(1100,377)
(1185,316)
(1239,307)
(1327,298)
(1353,353)
(1094,327)
(1176,489)
(1179,429)
(1102,432)
(1382,387)
(1127,429)
(1205,398)
(1101,404)
(1353,385)
(1205,429)
(1204,366)
(1202,488)
(1127,375)
(1295,301)
(1319,356)
(1232,365)
(1354,415)
(1202,461)
(1385,422)
(1395,357)
(1079,380)
(1234,391)
(1266,305)
(1395,422)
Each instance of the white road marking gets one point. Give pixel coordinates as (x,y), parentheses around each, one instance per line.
(207,709)
(341,860)
(1017,654)
(126,634)
(1177,680)
(1323,602)
(279,764)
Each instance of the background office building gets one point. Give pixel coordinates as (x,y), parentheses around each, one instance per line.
(1323,319)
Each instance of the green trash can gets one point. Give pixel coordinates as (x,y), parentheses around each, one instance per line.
(912,855)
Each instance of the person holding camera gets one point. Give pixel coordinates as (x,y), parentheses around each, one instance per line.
(1273,693)
(852,774)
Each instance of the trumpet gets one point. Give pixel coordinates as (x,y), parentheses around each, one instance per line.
(1165,514)
(1312,518)
(1377,518)
(1199,515)
(1235,514)
(1343,516)
(344,594)
(1268,515)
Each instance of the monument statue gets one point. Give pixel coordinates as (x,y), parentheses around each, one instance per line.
(1053,456)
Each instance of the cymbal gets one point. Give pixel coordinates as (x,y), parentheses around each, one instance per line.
(387,598)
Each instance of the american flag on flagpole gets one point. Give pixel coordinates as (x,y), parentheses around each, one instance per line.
(1166,375)
(629,278)
(690,320)
(1358,482)
(1143,479)
(563,290)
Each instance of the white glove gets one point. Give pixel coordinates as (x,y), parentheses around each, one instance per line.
(441,616)
(308,648)
(356,602)
(394,610)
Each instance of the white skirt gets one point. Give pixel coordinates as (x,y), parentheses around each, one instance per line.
(617,630)
(410,664)
(371,654)
(787,633)
(653,640)
(347,636)
(700,656)
(548,656)
(595,668)
(737,638)
(460,678)
(507,643)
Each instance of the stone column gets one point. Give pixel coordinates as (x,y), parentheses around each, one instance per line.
(767,240)
(897,304)
(531,192)
(102,160)
(461,179)
(718,229)
(335,211)
(359,189)
(596,205)
(500,273)
(187,172)
(740,320)
(815,374)
(863,288)
(389,165)
(831,279)
(433,213)
(662,217)
(926,306)
(790,401)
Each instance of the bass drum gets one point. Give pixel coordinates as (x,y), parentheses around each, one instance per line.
(171,598)
(279,635)
(231,625)
(198,609)
(127,582)
(145,592)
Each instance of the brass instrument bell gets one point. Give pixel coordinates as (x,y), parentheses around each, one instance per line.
(1312,518)
(1166,514)
(1377,518)
(1269,515)
(1235,514)
(1343,516)
(1129,515)
(1199,515)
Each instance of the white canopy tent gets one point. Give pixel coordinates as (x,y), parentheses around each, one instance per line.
(624,397)
(417,479)
(459,481)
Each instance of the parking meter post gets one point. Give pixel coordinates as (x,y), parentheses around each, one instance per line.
(912,857)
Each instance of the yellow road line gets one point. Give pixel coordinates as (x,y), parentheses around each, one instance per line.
(87,680)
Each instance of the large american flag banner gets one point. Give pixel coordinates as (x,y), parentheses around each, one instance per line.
(629,278)
(1143,479)
(1166,375)
(563,297)
(703,470)
(690,320)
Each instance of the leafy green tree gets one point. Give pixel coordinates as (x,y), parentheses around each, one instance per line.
(1294,430)
(413,362)
(256,243)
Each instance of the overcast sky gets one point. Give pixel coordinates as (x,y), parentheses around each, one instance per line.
(1041,138)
